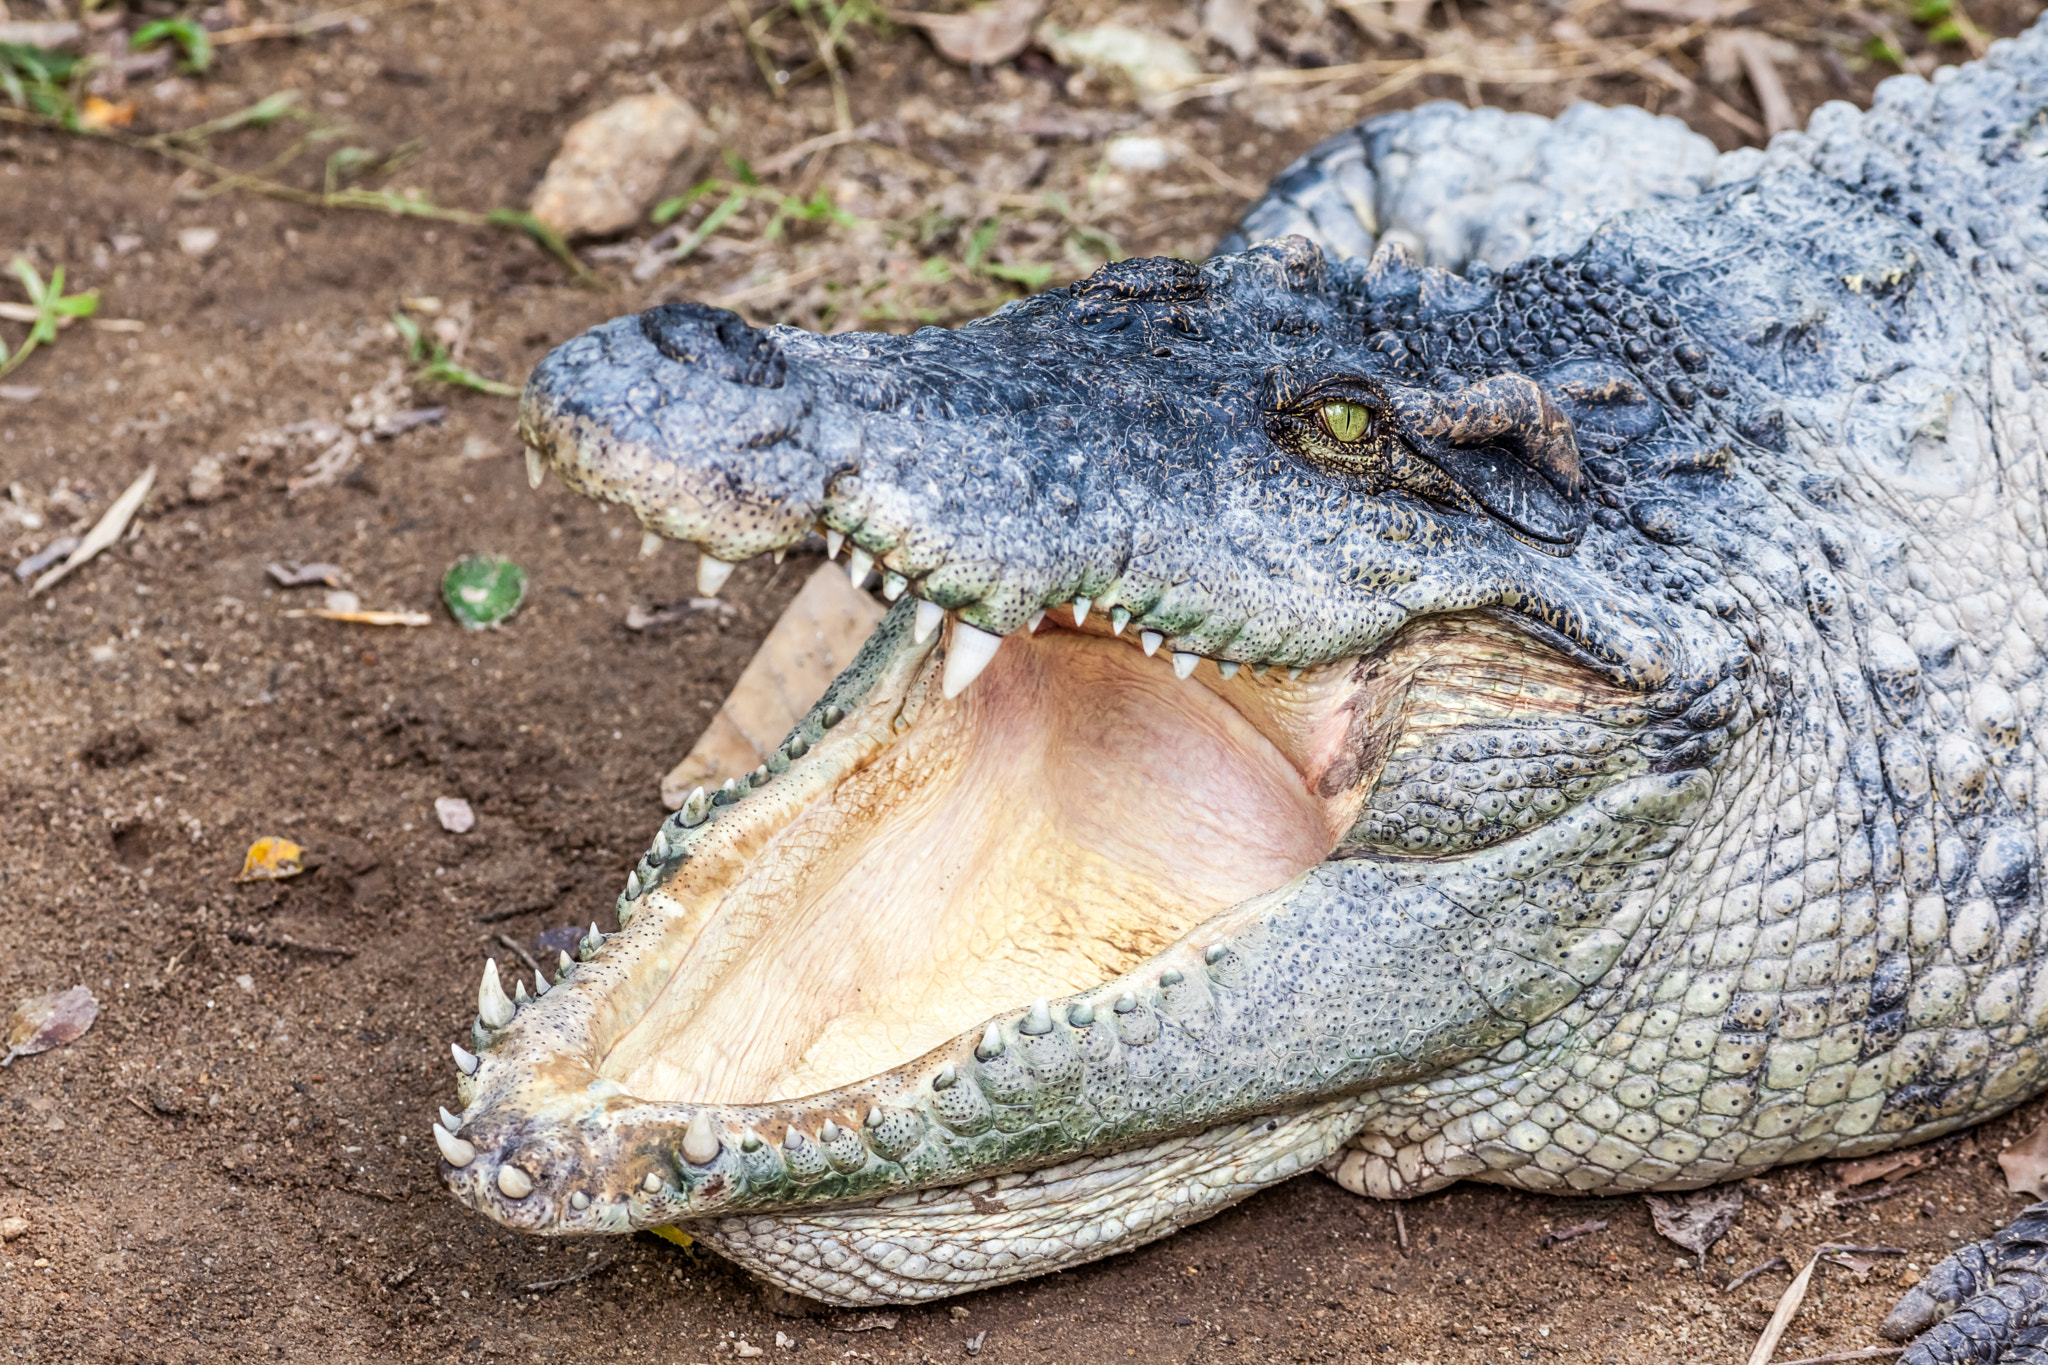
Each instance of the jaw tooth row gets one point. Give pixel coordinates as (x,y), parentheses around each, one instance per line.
(712,573)
(696,809)
(884,1131)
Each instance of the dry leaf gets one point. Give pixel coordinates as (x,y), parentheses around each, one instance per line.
(104,532)
(2025,1164)
(102,113)
(1697,1220)
(1882,1167)
(1788,1305)
(42,1022)
(817,637)
(367,618)
(983,36)
(272,859)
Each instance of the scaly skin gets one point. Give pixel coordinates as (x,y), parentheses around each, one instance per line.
(1744,872)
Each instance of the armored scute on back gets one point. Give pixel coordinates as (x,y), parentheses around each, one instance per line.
(1567,722)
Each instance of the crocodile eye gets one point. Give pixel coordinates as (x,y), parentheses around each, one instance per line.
(1347,422)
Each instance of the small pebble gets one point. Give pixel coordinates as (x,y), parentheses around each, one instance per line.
(11,1228)
(197,241)
(455,815)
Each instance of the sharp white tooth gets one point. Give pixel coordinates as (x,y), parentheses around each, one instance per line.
(1227,667)
(535,470)
(465,1060)
(930,615)
(650,544)
(457,1152)
(514,1183)
(893,585)
(566,965)
(700,1140)
(1037,619)
(1150,640)
(972,649)
(493,1006)
(519,995)
(1261,670)
(541,984)
(450,1121)
(1081,605)
(711,574)
(1118,619)
(857,566)
(1184,664)
(1293,673)
(833,540)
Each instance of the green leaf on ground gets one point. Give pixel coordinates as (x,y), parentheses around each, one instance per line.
(482,591)
(195,45)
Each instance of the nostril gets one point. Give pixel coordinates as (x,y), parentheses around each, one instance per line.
(715,340)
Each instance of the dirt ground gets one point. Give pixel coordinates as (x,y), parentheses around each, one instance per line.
(235,1160)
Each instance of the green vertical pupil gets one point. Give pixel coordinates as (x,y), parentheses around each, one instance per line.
(1346,421)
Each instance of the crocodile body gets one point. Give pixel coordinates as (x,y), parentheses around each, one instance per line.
(1652,630)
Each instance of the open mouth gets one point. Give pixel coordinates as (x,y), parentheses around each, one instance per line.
(935,861)
(982,880)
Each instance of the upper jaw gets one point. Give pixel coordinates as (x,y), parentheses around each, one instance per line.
(998,500)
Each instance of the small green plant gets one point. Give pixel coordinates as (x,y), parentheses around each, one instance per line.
(1031,275)
(36,78)
(51,307)
(742,189)
(436,366)
(195,45)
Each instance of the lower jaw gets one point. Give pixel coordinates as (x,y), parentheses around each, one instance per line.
(975,1235)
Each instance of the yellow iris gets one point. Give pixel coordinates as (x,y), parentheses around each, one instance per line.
(1346,421)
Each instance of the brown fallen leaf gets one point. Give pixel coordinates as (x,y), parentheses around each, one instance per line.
(272,859)
(1884,1167)
(42,1022)
(2025,1164)
(984,36)
(1696,1220)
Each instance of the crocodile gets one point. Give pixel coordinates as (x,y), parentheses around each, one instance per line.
(1523,667)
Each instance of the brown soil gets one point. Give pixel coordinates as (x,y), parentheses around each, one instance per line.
(235,1160)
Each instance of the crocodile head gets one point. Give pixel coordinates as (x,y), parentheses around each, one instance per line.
(1327,709)
(1272,712)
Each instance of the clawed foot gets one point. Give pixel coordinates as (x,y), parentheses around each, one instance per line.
(1982,1304)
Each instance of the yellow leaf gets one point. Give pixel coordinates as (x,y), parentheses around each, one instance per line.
(100,113)
(673,1234)
(272,859)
